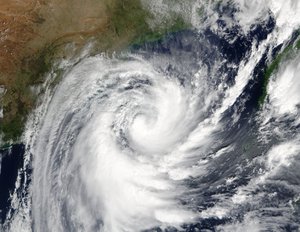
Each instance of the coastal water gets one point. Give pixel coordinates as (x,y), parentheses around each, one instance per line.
(169,135)
(11,163)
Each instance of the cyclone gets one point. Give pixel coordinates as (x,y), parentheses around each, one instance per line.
(116,140)
(170,135)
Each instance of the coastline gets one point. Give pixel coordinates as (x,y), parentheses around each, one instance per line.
(115,26)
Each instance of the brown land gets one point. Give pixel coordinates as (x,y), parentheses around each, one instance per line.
(34,33)
(26,26)
(31,31)
(27,29)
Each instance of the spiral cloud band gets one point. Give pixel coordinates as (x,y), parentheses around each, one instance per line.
(115,129)
(170,135)
(127,146)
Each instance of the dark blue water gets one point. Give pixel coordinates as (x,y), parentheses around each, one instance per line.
(186,48)
(12,162)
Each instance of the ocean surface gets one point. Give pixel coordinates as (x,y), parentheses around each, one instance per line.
(169,135)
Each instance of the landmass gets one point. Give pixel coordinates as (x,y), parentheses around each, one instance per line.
(287,53)
(36,33)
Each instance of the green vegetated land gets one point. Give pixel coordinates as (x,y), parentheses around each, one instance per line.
(127,26)
(130,19)
(19,99)
(287,53)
